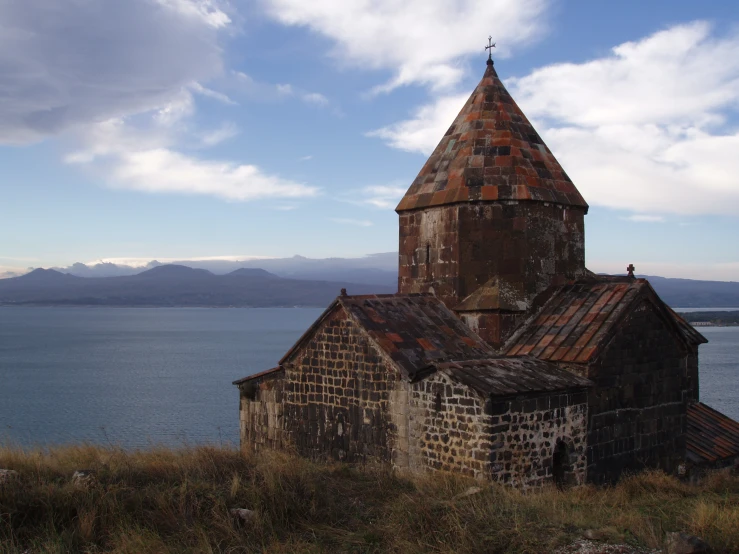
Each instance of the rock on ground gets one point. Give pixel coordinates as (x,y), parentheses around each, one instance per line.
(243,514)
(8,475)
(84,478)
(585,546)
(682,543)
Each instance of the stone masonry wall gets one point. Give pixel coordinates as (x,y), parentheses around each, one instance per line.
(528,243)
(429,252)
(337,389)
(637,410)
(527,432)
(455,249)
(448,427)
(261,413)
(511,441)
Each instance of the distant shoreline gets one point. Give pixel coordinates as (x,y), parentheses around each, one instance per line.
(707,317)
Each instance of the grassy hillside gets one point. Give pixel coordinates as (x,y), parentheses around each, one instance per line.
(179,501)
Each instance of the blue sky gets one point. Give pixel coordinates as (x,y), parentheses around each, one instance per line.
(181,129)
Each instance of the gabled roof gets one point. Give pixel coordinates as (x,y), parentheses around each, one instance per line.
(576,321)
(711,435)
(511,376)
(413,330)
(268,374)
(491,152)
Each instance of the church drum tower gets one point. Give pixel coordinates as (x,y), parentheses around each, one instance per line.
(492,220)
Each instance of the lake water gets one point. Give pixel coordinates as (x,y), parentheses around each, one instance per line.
(136,376)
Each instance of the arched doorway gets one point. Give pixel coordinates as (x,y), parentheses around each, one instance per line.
(561,468)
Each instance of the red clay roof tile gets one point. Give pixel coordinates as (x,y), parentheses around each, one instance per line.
(711,435)
(491,131)
(574,323)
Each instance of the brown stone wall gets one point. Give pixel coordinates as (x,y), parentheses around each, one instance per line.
(531,243)
(455,249)
(511,441)
(637,410)
(449,429)
(261,413)
(527,432)
(429,248)
(337,390)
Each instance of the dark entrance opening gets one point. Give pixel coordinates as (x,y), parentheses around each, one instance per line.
(561,470)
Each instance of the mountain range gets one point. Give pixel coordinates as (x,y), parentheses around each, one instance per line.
(381,269)
(266,282)
(176,285)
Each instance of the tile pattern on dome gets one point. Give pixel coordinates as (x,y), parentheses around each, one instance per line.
(491,152)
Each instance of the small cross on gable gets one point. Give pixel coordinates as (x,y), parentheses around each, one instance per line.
(631,269)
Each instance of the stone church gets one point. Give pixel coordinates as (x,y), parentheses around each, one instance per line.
(501,357)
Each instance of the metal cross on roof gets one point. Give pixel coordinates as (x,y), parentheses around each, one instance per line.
(489,48)
(631,269)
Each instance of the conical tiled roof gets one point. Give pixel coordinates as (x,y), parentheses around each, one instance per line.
(491,152)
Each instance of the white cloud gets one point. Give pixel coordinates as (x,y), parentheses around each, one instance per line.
(163,170)
(143,262)
(357,222)
(180,107)
(268,92)
(645,218)
(214,94)
(119,78)
(7,272)
(305,158)
(383,196)
(285,90)
(424,130)
(314,98)
(680,76)
(145,158)
(219,135)
(420,41)
(69,63)
(207,11)
(642,129)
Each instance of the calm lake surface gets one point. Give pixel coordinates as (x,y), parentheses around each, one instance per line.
(136,377)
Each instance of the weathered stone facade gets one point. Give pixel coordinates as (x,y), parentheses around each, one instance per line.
(261,411)
(638,408)
(510,440)
(337,388)
(501,357)
(454,250)
(342,393)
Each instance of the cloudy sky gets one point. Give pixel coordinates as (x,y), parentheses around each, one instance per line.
(144,129)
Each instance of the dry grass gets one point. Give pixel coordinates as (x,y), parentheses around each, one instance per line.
(178,501)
